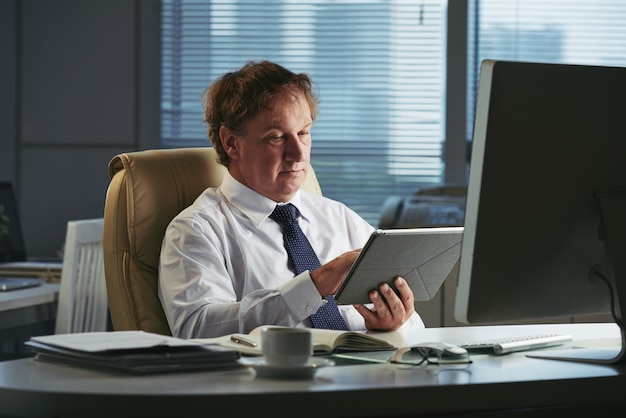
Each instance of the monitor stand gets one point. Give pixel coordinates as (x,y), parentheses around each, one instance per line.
(613,206)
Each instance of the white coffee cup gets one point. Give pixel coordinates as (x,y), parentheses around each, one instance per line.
(284,346)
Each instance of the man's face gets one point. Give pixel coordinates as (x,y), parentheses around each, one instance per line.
(272,155)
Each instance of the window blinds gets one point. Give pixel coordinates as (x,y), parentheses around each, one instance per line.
(378,66)
(590,32)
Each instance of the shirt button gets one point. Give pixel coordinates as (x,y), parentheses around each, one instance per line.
(309,309)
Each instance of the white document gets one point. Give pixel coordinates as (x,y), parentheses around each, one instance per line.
(93,342)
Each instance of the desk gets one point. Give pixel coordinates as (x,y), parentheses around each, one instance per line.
(27,312)
(25,306)
(513,383)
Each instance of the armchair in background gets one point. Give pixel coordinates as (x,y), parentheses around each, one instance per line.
(147,190)
(82,296)
(437,206)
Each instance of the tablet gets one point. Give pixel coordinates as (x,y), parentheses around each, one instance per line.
(15,283)
(424,257)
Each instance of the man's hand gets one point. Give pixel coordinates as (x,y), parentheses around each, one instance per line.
(390,310)
(328,277)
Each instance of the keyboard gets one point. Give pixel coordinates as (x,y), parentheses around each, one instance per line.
(511,344)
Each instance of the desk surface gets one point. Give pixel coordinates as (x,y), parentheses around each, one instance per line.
(21,298)
(28,307)
(491,383)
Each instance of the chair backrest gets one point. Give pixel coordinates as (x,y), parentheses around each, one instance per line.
(82,303)
(147,190)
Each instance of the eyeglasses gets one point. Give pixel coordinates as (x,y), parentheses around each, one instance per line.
(417,356)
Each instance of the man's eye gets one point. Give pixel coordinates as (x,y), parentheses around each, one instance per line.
(275,139)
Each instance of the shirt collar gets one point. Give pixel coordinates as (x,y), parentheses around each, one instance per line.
(253,204)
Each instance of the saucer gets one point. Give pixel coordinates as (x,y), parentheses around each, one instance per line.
(305,371)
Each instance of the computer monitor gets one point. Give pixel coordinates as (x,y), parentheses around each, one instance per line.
(545,221)
(11,240)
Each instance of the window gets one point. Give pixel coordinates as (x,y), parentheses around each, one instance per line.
(590,32)
(379,68)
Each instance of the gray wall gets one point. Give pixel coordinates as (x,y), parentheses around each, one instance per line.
(79,83)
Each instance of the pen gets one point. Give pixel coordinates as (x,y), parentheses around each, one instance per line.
(241,340)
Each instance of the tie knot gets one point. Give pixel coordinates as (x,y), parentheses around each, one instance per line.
(284,214)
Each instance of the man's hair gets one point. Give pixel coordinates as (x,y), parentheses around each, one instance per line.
(236,97)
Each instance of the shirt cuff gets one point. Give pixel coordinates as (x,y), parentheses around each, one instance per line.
(301,295)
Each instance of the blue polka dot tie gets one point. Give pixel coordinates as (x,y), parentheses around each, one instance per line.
(303,258)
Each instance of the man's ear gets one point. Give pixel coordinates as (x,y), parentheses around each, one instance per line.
(229,142)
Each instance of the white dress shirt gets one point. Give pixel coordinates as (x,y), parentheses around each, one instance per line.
(224,269)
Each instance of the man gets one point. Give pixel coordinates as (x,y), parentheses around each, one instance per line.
(224,267)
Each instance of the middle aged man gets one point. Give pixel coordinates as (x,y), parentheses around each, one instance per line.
(224,265)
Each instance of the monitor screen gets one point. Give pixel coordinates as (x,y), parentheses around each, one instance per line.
(548,158)
(11,241)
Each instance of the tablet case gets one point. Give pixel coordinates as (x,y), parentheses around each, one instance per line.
(424,257)
(15,283)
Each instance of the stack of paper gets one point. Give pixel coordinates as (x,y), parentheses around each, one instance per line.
(132,351)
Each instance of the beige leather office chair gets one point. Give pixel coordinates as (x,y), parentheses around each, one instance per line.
(147,189)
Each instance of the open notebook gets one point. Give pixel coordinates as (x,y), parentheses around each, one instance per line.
(325,341)
(13,258)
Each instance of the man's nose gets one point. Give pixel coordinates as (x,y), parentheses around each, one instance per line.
(296,150)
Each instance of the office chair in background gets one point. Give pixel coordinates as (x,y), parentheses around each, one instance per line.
(437,206)
(82,305)
(147,190)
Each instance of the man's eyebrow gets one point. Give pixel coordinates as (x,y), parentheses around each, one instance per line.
(278,127)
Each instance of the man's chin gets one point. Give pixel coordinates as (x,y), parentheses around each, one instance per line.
(292,187)
(287,189)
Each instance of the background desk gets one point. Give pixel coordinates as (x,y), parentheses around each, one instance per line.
(507,384)
(27,312)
